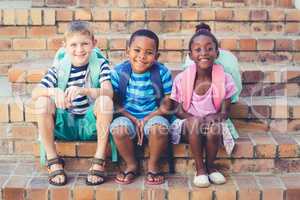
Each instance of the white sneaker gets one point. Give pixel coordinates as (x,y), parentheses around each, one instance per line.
(201,181)
(217,178)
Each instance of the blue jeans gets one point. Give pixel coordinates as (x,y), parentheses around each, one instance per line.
(124,121)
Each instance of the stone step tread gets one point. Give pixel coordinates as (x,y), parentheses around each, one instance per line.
(241,185)
(238,186)
(251,146)
(32,71)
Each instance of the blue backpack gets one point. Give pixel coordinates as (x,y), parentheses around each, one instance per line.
(124,71)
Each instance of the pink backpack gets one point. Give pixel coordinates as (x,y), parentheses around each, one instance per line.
(218,85)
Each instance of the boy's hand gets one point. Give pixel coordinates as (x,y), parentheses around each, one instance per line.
(139,131)
(59,98)
(71,93)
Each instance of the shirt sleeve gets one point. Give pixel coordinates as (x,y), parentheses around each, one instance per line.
(114,78)
(104,71)
(50,78)
(166,79)
(230,86)
(176,90)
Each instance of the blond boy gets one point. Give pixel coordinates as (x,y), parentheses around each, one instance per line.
(74,101)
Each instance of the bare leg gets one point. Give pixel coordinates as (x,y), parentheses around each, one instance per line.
(158,139)
(103,111)
(45,110)
(195,139)
(212,146)
(125,147)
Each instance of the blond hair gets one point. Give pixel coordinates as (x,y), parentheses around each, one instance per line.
(81,27)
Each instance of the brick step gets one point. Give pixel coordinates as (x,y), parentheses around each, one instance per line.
(18,139)
(262,110)
(247,47)
(249,89)
(187,166)
(250,145)
(21,181)
(31,71)
(258,79)
(235,41)
(165,4)
(253,153)
(166,56)
(52,16)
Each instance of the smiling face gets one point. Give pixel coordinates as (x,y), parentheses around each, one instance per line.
(142,53)
(79,47)
(203,51)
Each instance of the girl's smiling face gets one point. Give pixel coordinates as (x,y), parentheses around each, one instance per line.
(203,51)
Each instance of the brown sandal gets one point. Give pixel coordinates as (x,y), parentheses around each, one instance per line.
(97,173)
(58,172)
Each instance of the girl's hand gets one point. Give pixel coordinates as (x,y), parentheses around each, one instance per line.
(214,118)
(71,93)
(59,98)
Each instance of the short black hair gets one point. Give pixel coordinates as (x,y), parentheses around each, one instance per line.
(146,33)
(203,29)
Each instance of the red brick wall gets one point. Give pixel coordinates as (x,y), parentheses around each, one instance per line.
(37,32)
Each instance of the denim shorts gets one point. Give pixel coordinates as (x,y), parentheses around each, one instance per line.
(124,121)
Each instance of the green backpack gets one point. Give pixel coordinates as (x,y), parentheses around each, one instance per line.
(62,63)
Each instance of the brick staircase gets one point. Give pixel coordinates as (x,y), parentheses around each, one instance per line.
(263,34)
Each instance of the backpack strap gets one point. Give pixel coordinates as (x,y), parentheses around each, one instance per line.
(62,63)
(95,59)
(187,79)
(124,71)
(124,75)
(157,82)
(218,83)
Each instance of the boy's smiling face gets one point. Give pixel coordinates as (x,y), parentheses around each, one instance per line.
(79,47)
(142,53)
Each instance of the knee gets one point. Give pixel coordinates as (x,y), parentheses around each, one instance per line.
(191,127)
(214,131)
(44,105)
(103,104)
(120,133)
(159,131)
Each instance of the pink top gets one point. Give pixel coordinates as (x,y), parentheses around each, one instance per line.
(202,105)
